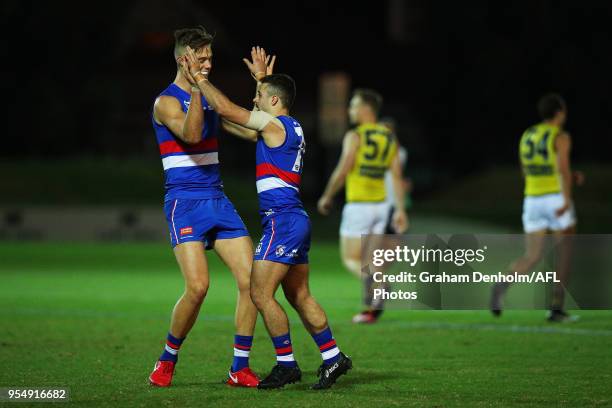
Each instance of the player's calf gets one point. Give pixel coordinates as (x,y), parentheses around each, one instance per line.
(310,311)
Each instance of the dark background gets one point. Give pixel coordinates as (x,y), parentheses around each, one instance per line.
(461,78)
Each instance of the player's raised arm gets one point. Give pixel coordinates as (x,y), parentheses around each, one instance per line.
(167,111)
(260,64)
(257,73)
(563,146)
(220,103)
(350,145)
(257,120)
(239,131)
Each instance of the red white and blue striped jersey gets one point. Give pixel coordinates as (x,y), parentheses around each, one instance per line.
(191,171)
(279,170)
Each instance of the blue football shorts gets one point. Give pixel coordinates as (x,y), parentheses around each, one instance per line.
(285,239)
(204,220)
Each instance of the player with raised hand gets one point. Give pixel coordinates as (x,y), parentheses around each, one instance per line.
(281,258)
(234,128)
(199,214)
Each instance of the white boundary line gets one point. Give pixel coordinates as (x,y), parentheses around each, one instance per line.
(514,328)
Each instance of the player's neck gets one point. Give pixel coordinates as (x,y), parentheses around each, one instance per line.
(182,82)
(368,121)
(553,122)
(279,112)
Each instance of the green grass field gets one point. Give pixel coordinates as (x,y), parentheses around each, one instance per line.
(93,317)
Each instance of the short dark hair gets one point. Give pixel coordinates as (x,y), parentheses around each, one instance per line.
(549,105)
(370,97)
(282,86)
(196,38)
(389,121)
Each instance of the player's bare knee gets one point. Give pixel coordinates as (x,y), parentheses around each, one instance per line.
(259,298)
(352,264)
(244,288)
(244,285)
(242,274)
(196,291)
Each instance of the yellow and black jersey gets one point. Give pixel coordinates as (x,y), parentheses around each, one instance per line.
(366,180)
(539,160)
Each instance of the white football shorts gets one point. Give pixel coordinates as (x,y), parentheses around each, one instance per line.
(539,213)
(364,218)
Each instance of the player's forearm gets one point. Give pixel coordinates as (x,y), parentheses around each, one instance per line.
(194,120)
(566,180)
(563,147)
(239,131)
(400,194)
(336,182)
(220,103)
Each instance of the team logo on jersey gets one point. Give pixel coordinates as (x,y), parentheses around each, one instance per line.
(280,250)
(186,103)
(186,230)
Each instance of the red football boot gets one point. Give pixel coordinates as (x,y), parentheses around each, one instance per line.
(162,374)
(242,378)
(366,317)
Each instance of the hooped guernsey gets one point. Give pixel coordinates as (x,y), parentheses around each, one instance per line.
(286,226)
(195,205)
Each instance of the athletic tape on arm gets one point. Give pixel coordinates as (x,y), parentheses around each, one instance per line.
(259,120)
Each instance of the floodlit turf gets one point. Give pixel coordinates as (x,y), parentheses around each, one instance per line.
(93,318)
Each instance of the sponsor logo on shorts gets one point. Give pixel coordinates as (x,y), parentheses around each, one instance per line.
(258,249)
(292,254)
(280,250)
(186,230)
